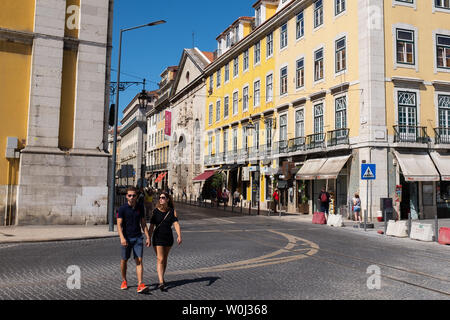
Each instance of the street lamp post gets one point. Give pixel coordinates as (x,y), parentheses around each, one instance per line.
(112,182)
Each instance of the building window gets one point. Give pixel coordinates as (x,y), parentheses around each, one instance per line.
(246,63)
(210,114)
(269,88)
(443,51)
(318,13)
(211,84)
(236,67)
(217,142)
(227,72)
(283,80)
(218,79)
(218,111)
(341,55)
(442,4)
(245,99)
(405,46)
(339,6)
(235,103)
(256,135)
(225,140)
(407,113)
(283,36)
(283,127)
(256,93)
(300,123)
(228,40)
(269,45)
(268,124)
(318,65)
(300,25)
(258,16)
(318,118)
(300,74)
(235,139)
(244,138)
(226,106)
(444,112)
(210,143)
(341,113)
(257,53)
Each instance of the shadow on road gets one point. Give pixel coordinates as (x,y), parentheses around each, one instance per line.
(178,283)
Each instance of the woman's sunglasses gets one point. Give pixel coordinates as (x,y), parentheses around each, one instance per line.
(162,198)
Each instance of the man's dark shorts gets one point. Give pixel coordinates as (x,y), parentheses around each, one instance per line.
(135,244)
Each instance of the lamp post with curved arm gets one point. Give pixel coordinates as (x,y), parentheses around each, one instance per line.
(112,182)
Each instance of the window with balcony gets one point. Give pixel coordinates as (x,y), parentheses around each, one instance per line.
(443,132)
(318,118)
(225,140)
(300,123)
(407,115)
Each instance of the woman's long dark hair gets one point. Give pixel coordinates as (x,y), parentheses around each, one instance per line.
(169,202)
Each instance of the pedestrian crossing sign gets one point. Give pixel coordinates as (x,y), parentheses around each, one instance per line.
(368,171)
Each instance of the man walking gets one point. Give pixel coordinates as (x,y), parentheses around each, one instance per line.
(130,221)
(324,198)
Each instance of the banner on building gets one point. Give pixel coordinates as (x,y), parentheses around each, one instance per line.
(168,124)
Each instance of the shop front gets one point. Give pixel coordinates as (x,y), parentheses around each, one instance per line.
(329,173)
(418,180)
(442,162)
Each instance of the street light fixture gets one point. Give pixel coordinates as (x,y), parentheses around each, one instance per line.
(112,182)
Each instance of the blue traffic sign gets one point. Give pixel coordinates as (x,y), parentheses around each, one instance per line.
(368,171)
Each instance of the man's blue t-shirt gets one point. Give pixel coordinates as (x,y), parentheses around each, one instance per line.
(131,220)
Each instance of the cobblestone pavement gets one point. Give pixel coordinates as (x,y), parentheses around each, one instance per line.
(234,257)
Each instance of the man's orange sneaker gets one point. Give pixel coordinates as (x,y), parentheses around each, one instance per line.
(141,288)
(124,285)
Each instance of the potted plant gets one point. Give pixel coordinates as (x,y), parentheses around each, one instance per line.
(303,207)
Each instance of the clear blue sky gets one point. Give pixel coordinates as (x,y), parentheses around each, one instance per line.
(146,52)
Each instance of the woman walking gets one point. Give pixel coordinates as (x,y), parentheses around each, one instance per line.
(164,216)
(357,208)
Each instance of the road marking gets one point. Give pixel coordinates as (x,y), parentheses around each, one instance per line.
(265,260)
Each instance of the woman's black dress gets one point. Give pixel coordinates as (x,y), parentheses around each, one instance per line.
(162,235)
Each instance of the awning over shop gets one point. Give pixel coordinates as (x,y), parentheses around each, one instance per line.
(160,177)
(442,162)
(332,167)
(204,176)
(310,169)
(417,166)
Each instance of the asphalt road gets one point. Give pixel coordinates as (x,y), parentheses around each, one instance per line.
(235,257)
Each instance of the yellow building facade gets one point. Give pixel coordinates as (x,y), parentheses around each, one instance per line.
(345,83)
(52,109)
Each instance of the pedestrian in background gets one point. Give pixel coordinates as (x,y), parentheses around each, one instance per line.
(324,198)
(164,216)
(236,197)
(225,196)
(276,200)
(148,202)
(130,221)
(357,207)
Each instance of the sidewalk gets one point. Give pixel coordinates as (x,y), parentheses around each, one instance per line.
(22,234)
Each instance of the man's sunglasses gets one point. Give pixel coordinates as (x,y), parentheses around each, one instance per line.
(131,195)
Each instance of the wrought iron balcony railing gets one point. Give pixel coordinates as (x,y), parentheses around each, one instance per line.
(338,137)
(297,144)
(316,140)
(442,135)
(410,134)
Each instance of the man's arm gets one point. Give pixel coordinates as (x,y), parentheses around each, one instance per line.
(144,227)
(123,241)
